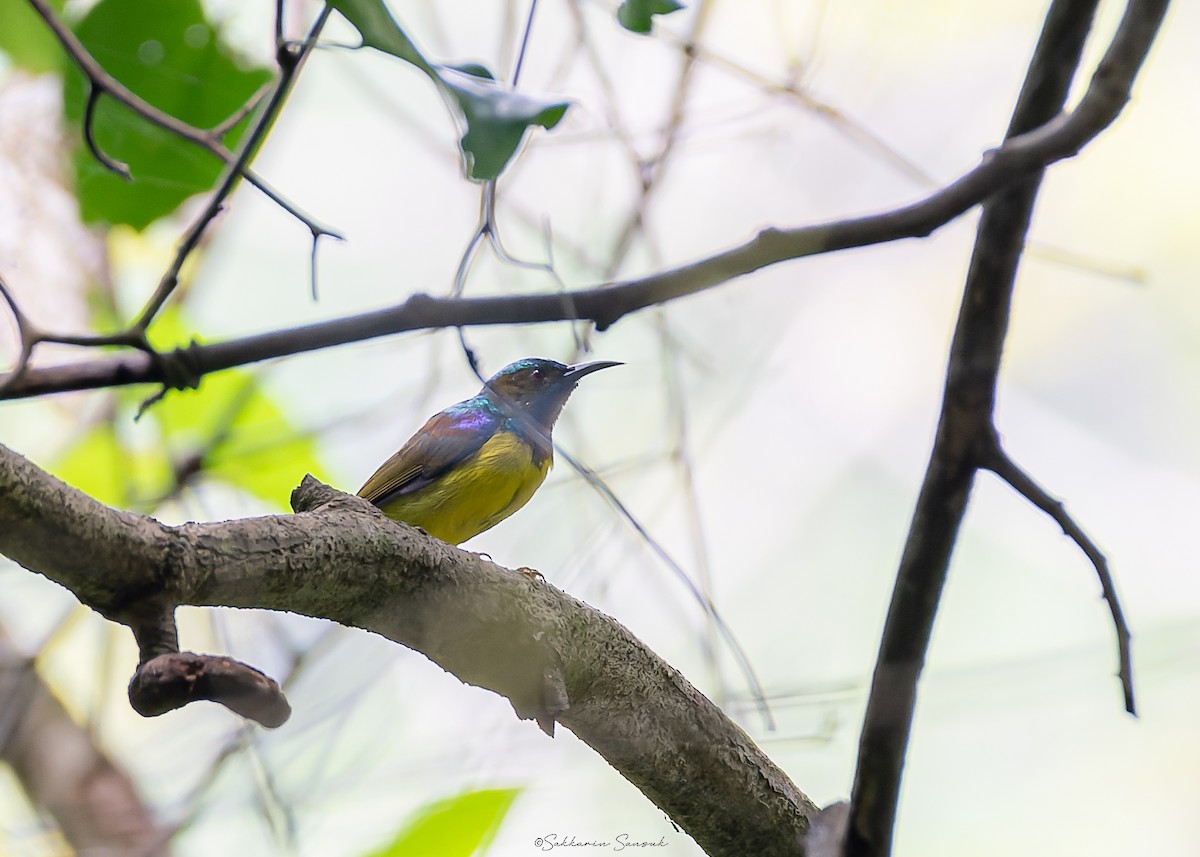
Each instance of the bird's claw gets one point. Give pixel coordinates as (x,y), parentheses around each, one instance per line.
(531,573)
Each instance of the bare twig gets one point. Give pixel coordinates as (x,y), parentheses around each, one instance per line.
(279,41)
(841,122)
(120,168)
(102,82)
(999,463)
(650,171)
(516,74)
(231,121)
(718,623)
(29,335)
(289,67)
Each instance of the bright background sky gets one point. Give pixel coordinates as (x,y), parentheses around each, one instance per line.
(770,433)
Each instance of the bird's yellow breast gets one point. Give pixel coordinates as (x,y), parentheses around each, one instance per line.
(475,494)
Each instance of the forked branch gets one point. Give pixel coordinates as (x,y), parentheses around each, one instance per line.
(966,438)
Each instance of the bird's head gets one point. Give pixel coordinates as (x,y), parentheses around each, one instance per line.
(539,387)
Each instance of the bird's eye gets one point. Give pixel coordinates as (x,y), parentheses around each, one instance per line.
(536,374)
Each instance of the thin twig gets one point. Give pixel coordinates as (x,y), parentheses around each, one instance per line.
(487,225)
(289,67)
(516,75)
(230,122)
(757,694)
(120,168)
(650,171)
(842,123)
(101,82)
(29,336)
(279,42)
(210,140)
(999,463)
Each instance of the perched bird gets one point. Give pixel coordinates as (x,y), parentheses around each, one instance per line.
(477,462)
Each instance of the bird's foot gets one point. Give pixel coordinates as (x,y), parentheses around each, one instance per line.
(531,573)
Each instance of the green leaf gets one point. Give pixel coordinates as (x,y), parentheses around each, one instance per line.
(379,30)
(235,429)
(171,56)
(496,118)
(263,454)
(94,465)
(636,15)
(26,38)
(244,435)
(456,827)
(103,466)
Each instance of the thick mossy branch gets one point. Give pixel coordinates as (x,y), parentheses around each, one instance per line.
(553,657)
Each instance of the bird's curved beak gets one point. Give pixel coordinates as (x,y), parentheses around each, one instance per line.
(574,373)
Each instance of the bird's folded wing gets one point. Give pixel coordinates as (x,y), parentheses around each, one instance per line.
(447,439)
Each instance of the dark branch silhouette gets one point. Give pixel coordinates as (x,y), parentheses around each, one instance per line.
(1020,481)
(966,434)
(1021,155)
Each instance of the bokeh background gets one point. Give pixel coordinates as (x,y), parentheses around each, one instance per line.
(769,434)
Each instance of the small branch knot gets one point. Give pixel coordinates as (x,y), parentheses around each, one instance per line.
(312,494)
(181,368)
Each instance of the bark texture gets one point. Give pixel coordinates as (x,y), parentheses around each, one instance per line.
(556,659)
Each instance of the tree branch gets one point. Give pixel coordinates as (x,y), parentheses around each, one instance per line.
(1021,482)
(553,657)
(62,770)
(966,434)
(1024,153)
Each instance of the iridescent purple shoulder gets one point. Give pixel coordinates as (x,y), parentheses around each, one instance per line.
(475,416)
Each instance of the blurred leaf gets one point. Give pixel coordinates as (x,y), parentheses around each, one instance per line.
(637,15)
(26,38)
(95,465)
(245,437)
(171,56)
(379,30)
(264,454)
(105,468)
(496,118)
(456,827)
(474,69)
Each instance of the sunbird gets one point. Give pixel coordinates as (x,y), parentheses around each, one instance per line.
(475,463)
